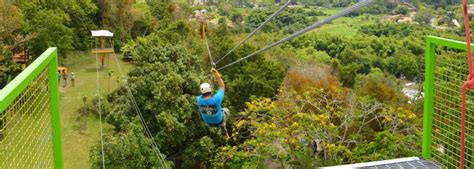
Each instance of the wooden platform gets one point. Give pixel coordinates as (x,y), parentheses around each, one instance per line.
(102,50)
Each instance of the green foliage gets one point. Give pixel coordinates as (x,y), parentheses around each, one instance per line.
(253,77)
(386,145)
(128,149)
(441,3)
(169,75)
(382,86)
(424,16)
(315,13)
(319,121)
(288,21)
(398,30)
(314,115)
(326,3)
(377,7)
(82,14)
(236,17)
(8,71)
(199,152)
(11,19)
(222,21)
(56,22)
(176,31)
(401,10)
(160,9)
(78,16)
(391,48)
(165,83)
(347,74)
(127,18)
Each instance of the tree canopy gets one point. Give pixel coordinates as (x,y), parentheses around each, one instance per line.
(323,98)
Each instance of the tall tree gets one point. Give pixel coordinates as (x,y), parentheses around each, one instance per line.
(11,23)
(127,18)
(164,82)
(51,32)
(128,149)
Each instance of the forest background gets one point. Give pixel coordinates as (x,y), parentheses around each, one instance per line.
(331,96)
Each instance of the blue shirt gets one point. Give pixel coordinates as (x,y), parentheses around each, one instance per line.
(211,110)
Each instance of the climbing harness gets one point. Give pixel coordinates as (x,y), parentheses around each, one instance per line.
(256,30)
(468,84)
(346,11)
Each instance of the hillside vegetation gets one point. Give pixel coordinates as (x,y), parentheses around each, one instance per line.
(331,96)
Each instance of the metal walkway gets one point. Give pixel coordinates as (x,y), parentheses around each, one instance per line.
(401,163)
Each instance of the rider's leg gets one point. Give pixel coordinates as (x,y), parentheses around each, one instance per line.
(223,130)
(226,114)
(223,124)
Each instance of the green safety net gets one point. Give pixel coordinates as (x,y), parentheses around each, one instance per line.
(25,130)
(449,71)
(29,117)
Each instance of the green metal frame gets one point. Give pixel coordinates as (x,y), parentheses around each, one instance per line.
(48,60)
(431,43)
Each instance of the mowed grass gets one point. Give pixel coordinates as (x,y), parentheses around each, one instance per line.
(77,140)
(345,26)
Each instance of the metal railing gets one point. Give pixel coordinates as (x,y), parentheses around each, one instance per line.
(446,69)
(30,132)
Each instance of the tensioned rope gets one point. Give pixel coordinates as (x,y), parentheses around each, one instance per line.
(468,84)
(346,11)
(99,108)
(207,44)
(140,114)
(256,30)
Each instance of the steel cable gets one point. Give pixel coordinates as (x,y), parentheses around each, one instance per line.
(346,11)
(99,108)
(140,114)
(256,30)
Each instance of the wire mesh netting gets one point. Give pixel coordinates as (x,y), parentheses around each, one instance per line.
(25,128)
(451,71)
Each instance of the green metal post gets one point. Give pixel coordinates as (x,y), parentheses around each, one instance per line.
(55,115)
(428,99)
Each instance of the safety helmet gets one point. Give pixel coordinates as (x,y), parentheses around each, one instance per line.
(205,88)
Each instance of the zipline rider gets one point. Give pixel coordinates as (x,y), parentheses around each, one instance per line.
(210,105)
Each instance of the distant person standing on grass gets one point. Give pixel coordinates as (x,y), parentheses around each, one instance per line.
(73,78)
(64,79)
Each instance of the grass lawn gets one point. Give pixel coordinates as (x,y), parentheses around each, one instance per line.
(77,141)
(345,26)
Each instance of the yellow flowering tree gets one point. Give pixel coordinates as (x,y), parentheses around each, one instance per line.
(318,123)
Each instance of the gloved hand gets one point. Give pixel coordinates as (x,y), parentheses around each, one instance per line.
(216,73)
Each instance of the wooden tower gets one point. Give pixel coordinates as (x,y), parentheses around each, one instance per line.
(105,48)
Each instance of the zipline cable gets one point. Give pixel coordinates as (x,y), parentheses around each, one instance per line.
(142,119)
(346,11)
(256,30)
(213,64)
(207,44)
(140,114)
(99,108)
